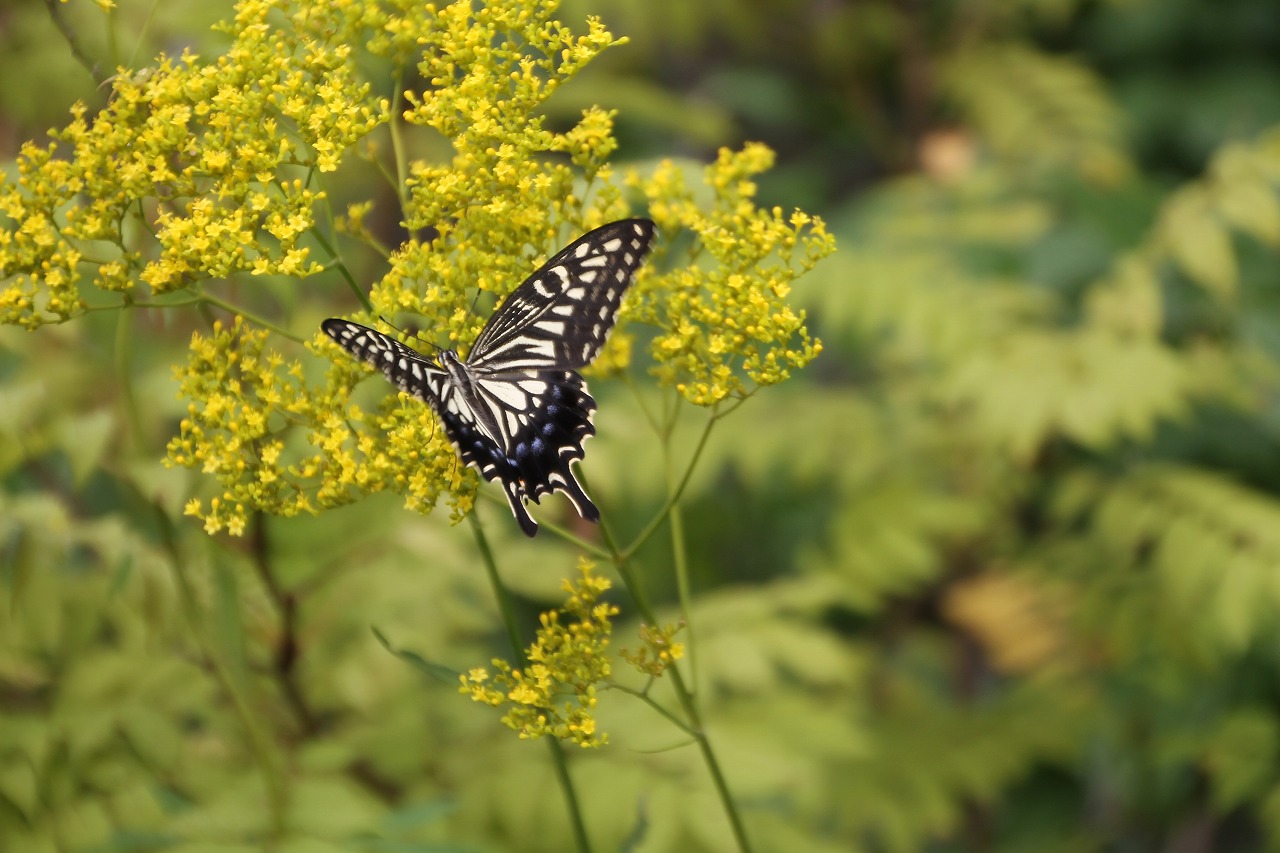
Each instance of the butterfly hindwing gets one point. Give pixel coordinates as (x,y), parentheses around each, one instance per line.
(542,445)
(516,409)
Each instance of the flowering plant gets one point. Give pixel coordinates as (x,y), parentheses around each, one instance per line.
(198,171)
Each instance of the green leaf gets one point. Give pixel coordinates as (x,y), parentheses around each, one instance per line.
(84,440)
(1199,242)
(415,815)
(436,671)
(1241,756)
(1252,208)
(1127,301)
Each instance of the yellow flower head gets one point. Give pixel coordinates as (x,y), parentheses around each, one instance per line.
(556,693)
(193,170)
(207,168)
(726,327)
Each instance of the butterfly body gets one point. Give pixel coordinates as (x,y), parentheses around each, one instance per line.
(516,409)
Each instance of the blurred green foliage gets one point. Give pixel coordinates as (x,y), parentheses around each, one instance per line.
(1002,572)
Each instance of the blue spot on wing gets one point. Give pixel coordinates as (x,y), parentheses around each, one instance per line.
(542,450)
(555,321)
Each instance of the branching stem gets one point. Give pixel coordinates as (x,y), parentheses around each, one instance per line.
(558,760)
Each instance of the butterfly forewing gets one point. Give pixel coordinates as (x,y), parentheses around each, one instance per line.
(404,368)
(561,315)
(516,409)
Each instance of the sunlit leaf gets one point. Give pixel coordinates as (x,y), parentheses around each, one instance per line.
(439,672)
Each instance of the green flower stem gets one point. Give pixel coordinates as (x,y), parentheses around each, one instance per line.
(207,299)
(517,647)
(218,302)
(123,356)
(264,750)
(111,29)
(141,40)
(499,589)
(342,269)
(680,560)
(684,694)
(639,398)
(622,563)
(590,548)
(643,696)
(674,495)
(397,144)
(708,755)
(324,210)
(578,542)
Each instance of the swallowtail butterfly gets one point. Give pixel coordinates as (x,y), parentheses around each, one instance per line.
(516,408)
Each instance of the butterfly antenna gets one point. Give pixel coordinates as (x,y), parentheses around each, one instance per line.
(474,300)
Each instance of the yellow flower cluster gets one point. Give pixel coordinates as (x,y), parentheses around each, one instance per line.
(201,169)
(490,66)
(245,402)
(657,651)
(726,327)
(231,427)
(555,693)
(210,159)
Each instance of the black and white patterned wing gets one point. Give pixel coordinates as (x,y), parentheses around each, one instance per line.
(516,409)
(404,368)
(466,424)
(544,417)
(560,316)
(547,417)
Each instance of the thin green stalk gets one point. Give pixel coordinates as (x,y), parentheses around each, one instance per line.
(622,560)
(709,757)
(397,144)
(124,376)
(589,548)
(643,696)
(683,693)
(210,299)
(129,304)
(674,496)
(517,648)
(113,37)
(342,269)
(142,34)
(499,589)
(203,299)
(622,563)
(679,551)
(644,408)
(680,560)
(264,753)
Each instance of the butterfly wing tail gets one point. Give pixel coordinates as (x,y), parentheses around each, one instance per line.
(515,497)
(572,489)
(568,486)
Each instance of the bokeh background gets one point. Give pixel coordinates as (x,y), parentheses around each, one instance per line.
(1000,571)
